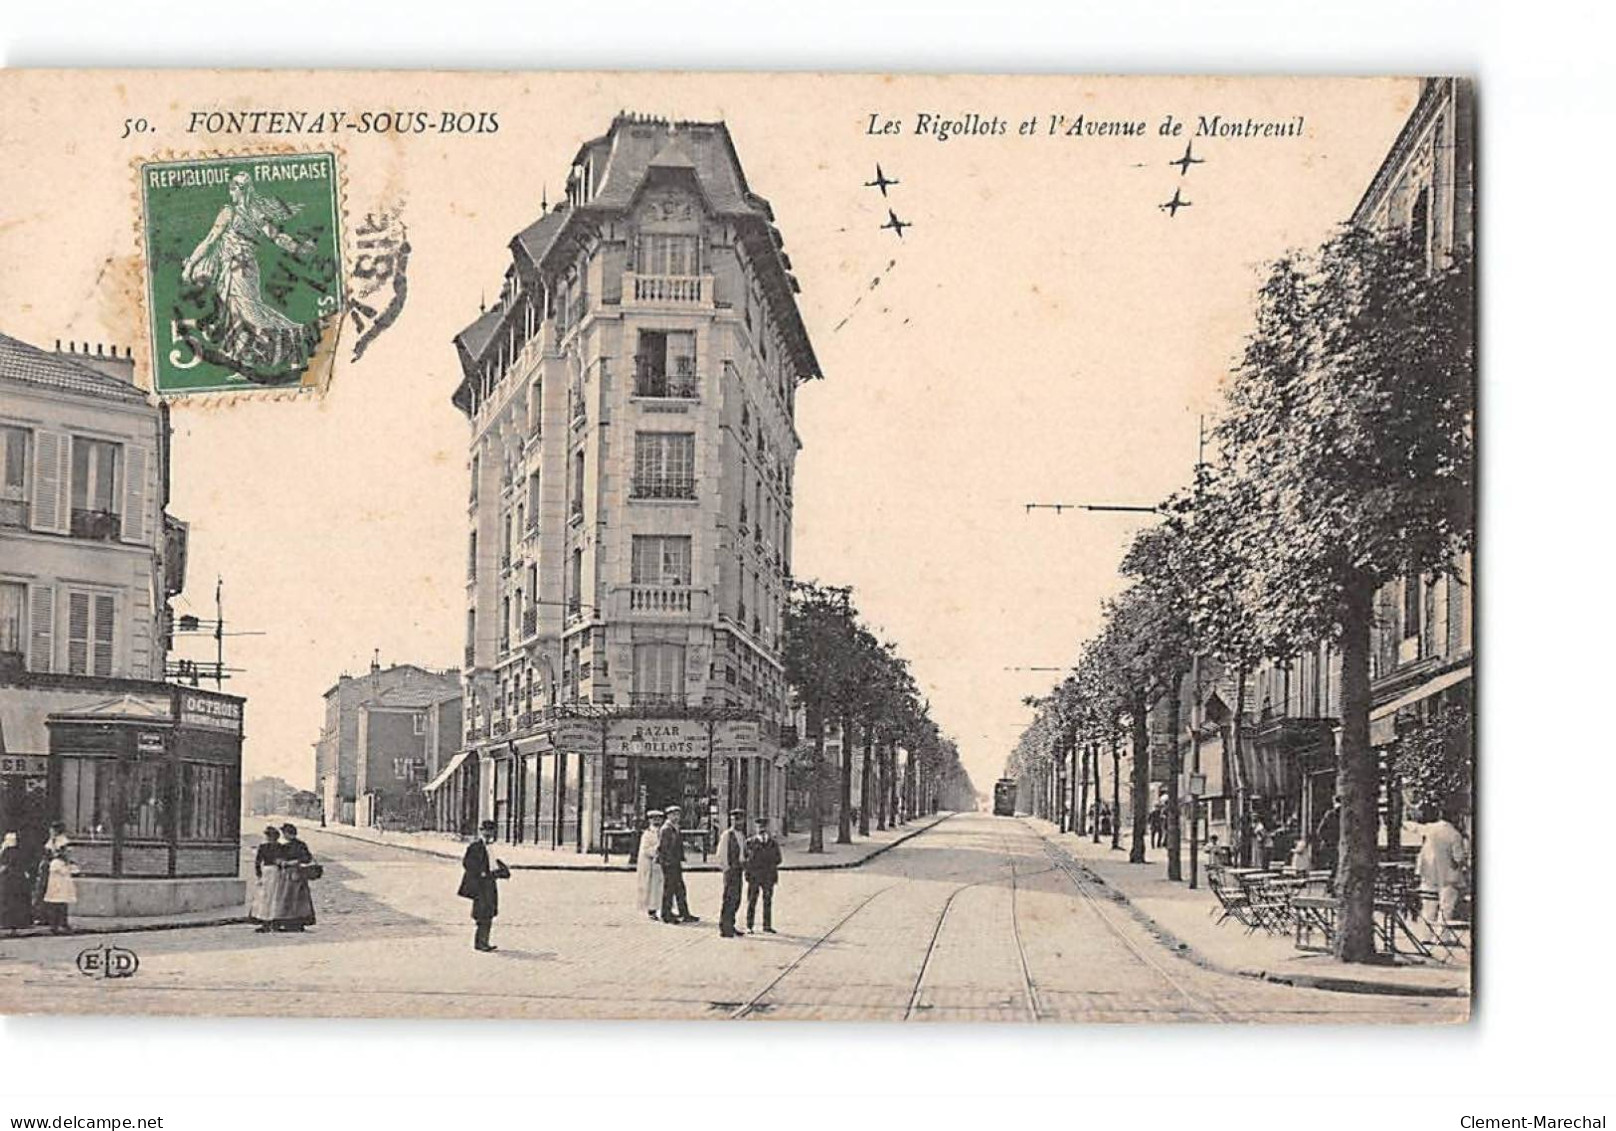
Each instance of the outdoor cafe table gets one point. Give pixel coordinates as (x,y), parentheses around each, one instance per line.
(1318,913)
(1314,913)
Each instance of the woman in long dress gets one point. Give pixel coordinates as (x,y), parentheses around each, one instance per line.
(60,891)
(648,877)
(293,908)
(266,866)
(16,886)
(244,324)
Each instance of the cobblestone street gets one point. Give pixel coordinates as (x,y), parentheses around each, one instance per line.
(975,919)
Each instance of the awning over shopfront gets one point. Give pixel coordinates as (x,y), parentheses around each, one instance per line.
(448,771)
(1383,719)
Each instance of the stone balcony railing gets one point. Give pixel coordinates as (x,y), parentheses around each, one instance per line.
(659,602)
(668,290)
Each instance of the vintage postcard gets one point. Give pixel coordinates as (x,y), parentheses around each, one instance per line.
(737,546)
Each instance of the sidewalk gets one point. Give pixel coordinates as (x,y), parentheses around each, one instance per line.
(1184,922)
(793,849)
(111,925)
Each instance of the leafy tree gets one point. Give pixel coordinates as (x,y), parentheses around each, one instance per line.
(1432,760)
(1127,649)
(1166,652)
(818,663)
(1348,429)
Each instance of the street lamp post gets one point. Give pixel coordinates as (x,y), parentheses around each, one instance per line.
(1197,786)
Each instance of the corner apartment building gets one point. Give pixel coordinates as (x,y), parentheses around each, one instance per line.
(631,398)
(146,775)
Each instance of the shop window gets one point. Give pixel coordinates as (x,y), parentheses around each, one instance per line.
(206,808)
(87,790)
(145,800)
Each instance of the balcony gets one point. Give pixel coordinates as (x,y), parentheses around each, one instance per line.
(665,487)
(659,602)
(668,290)
(651,381)
(657,698)
(98,526)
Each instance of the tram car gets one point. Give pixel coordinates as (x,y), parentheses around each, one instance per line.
(1004,797)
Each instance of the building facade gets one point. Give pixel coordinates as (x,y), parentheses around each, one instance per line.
(386,735)
(146,776)
(631,397)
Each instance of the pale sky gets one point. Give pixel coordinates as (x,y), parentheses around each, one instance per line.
(1044,333)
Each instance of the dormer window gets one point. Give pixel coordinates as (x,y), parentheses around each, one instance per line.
(668,255)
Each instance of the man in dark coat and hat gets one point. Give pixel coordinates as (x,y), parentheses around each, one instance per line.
(480,884)
(670,856)
(762,873)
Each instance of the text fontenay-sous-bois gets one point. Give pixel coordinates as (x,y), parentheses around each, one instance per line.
(944,127)
(400,121)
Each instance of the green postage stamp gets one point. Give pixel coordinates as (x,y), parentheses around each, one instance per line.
(244,279)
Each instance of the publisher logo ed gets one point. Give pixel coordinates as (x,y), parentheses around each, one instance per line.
(108,962)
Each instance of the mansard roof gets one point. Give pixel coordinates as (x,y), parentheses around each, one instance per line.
(624,157)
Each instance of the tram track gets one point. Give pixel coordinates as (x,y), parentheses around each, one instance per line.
(1085,889)
(1033,997)
(756,1001)
(1029,987)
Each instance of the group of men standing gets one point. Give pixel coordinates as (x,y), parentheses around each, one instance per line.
(660,874)
(755,858)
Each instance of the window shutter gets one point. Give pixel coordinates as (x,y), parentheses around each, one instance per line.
(104,622)
(78,633)
(51,480)
(41,627)
(134,500)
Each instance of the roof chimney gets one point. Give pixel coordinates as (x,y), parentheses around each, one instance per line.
(375,661)
(106,360)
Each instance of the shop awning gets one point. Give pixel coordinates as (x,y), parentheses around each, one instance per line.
(1424,691)
(1383,719)
(448,771)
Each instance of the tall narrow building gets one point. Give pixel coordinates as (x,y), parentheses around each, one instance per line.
(631,398)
